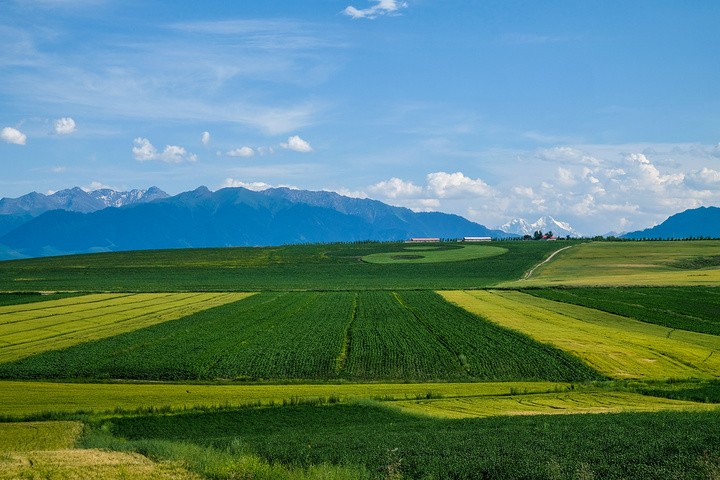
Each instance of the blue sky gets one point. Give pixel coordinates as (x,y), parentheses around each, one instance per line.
(604,114)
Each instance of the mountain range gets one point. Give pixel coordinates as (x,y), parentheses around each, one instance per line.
(698,222)
(75,221)
(545,224)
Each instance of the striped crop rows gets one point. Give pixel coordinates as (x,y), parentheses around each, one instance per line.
(32,328)
(367,335)
(619,347)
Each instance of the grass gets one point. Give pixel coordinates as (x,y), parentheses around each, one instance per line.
(565,403)
(29,436)
(30,297)
(380,335)
(381,440)
(237,427)
(32,328)
(89,463)
(291,267)
(434,254)
(627,264)
(20,399)
(696,309)
(615,346)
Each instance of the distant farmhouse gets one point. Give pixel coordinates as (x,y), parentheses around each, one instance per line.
(476,239)
(422,240)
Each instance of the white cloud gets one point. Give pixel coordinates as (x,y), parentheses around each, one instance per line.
(99,186)
(383,7)
(524,191)
(647,175)
(345,192)
(297,144)
(565,176)
(58,169)
(255,186)
(703,179)
(566,155)
(12,135)
(455,184)
(64,126)
(241,152)
(206,138)
(396,188)
(144,151)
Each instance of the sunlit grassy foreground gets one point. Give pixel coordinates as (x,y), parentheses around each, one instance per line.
(85,464)
(28,436)
(626,264)
(28,329)
(616,346)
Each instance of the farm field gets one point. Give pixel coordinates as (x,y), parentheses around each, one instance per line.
(628,264)
(655,445)
(313,336)
(696,309)
(30,436)
(618,347)
(29,329)
(290,267)
(311,361)
(433,254)
(567,402)
(89,463)
(23,399)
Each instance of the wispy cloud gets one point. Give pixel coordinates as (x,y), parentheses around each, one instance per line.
(193,73)
(383,7)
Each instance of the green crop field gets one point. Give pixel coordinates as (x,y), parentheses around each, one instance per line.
(415,254)
(292,267)
(619,446)
(696,309)
(367,335)
(365,360)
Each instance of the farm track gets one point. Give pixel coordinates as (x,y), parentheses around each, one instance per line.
(529,274)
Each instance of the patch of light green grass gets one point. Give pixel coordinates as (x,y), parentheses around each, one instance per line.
(430,254)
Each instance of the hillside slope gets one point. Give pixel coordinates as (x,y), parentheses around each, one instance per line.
(698,222)
(232,217)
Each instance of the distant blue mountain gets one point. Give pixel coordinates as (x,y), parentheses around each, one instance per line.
(231,217)
(695,223)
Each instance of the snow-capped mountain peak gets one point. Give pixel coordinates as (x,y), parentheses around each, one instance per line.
(545,224)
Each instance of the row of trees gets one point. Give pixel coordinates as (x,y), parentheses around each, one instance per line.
(538,235)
